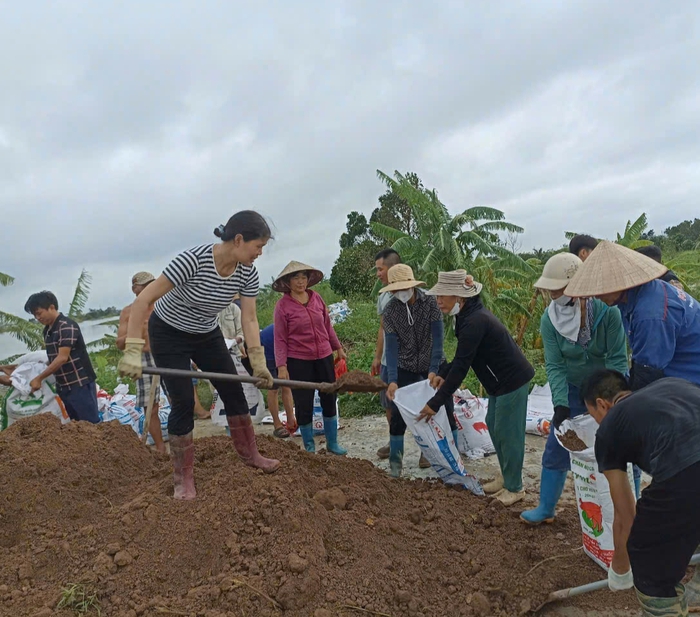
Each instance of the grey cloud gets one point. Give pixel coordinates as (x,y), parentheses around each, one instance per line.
(128,131)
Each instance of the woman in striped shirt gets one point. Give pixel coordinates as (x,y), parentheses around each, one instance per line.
(193,289)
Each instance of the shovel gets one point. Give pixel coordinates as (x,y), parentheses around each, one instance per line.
(354,381)
(562,594)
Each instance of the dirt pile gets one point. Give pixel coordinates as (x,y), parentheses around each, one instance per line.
(324,536)
(571,441)
(358,381)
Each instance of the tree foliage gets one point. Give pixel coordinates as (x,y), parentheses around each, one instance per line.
(352,273)
(442,242)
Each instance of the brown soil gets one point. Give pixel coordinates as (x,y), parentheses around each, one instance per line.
(87,504)
(359,381)
(571,441)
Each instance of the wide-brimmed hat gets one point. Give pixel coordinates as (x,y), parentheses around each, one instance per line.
(281,285)
(455,283)
(142,278)
(400,277)
(558,271)
(612,267)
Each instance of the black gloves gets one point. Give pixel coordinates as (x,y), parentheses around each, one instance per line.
(561,413)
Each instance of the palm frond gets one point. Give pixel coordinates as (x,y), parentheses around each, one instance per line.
(476,213)
(499,226)
(636,229)
(388,233)
(81,295)
(28,333)
(6,280)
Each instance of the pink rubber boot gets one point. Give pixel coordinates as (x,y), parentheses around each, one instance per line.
(243,435)
(182,455)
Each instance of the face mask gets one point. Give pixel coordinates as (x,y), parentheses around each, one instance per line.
(564,301)
(404,295)
(455,309)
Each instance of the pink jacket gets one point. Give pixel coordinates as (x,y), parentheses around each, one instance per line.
(303,332)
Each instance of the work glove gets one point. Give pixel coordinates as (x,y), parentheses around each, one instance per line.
(561,413)
(620,582)
(130,363)
(256,357)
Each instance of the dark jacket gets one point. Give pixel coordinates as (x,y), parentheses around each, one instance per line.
(485,345)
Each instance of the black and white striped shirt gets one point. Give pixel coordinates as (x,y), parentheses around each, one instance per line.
(201,293)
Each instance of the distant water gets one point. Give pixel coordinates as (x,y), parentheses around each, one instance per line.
(92,331)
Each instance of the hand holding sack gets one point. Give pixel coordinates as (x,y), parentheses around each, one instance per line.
(130,364)
(561,413)
(256,356)
(620,582)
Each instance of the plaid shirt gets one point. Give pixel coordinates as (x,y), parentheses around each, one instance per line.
(77,371)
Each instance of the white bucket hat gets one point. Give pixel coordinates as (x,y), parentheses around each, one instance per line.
(612,267)
(280,284)
(456,283)
(558,271)
(401,277)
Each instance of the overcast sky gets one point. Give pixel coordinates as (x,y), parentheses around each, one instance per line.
(129,130)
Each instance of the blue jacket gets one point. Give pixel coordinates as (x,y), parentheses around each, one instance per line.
(267,340)
(663,327)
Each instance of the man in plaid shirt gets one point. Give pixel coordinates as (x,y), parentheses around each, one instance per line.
(69,361)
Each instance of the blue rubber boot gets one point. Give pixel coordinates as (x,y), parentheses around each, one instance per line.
(330,428)
(307,437)
(395,455)
(551,487)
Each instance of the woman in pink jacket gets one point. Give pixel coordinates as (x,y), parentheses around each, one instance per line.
(304,346)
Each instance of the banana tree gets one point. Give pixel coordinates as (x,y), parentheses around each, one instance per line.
(23,330)
(632,236)
(443,242)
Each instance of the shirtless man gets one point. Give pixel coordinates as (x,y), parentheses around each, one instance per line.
(139,282)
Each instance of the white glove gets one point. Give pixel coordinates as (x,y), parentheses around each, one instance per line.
(620,582)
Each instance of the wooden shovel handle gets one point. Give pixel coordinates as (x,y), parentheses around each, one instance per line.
(277,383)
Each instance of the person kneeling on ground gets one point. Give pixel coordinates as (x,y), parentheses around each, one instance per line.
(414,334)
(579,337)
(68,358)
(657,428)
(485,345)
(304,344)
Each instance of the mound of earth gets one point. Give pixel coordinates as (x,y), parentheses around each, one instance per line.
(325,536)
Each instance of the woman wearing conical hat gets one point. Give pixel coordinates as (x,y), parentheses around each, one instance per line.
(304,344)
(485,345)
(580,336)
(662,322)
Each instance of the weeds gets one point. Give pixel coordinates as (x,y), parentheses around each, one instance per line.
(80,600)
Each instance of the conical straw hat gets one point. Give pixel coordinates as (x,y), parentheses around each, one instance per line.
(611,267)
(280,284)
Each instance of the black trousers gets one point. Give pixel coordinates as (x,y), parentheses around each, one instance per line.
(405,378)
(312,370)
(172,348)
(665,533)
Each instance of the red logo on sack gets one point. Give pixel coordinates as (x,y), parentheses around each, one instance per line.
(480,427)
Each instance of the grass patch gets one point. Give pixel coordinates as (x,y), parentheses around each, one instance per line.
(81,600)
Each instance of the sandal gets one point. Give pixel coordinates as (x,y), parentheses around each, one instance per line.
(281,433)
